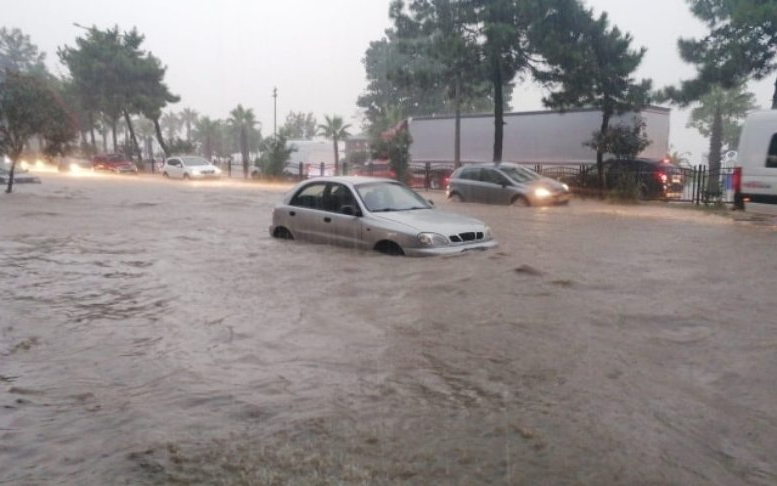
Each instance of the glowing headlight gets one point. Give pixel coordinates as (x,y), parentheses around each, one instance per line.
(565,186)
(432,239)
(541,192)
(216,170)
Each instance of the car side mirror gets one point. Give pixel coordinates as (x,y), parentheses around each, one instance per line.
(349,210)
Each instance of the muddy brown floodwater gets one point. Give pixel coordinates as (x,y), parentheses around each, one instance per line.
(151,332)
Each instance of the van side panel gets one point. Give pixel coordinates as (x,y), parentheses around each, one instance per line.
(757,155)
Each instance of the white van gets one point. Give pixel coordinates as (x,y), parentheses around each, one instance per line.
(758,157)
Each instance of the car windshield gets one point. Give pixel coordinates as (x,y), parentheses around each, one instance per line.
(519,174)
(390,196)
(194,161)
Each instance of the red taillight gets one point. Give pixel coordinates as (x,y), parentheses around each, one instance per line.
(661,176)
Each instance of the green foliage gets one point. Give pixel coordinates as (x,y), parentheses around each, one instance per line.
(732,105)
(180,146)
(29,107)
(243,122)
(357,158)
(299,126)
(18,53)
(622,141)
(275,154)
(188,118)
(395,149)
(114,76)
(334,129)
(741,43)
(207,133)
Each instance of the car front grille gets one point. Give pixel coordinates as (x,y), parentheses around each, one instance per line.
(469,236)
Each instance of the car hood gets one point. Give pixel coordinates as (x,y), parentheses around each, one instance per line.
(548,183)
(432,220)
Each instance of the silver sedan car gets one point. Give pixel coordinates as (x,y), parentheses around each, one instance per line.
(505,183)
(375,214)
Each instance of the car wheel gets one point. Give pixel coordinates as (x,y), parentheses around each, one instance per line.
(282,233)
(389,248)
(521,202)
(456,197)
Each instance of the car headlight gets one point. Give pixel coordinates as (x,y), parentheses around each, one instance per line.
(541,192)
(432,239)
(565,186)
(216,170)
(487,233)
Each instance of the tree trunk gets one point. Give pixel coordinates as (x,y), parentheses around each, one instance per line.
(113,134)
(132,136)
(457,129)
(244,150)
(716,146)
(337,164)
(160,138)
(91,132)
(9,188)
(774,96)
(498,108)
(600,152)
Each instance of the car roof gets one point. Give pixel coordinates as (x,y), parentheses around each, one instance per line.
(353,180)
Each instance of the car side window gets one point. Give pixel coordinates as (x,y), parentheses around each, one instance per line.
(310,196)
(771,157)
(491,176)
(470,174)
(337,197)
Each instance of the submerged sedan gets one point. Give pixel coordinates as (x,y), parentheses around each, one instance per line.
(374,214)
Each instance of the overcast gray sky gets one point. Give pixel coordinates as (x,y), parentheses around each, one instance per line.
(225,52)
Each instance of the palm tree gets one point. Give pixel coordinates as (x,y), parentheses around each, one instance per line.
(243,120)
(205,132)
(188,118)
(145,130)
(171,124)
(336,130)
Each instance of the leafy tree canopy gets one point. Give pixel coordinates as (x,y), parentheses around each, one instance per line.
(29,107)
(18,53)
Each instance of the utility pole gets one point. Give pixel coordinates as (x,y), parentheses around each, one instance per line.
(274,113)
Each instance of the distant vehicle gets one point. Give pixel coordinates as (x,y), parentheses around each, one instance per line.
(655,179)
(505,183)
(757,155)
(71,164)
(544,138)
(374,214)
(190,167)
(115,163)
(20,176)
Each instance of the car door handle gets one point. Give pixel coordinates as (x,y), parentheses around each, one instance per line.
(327,220)
(292,213)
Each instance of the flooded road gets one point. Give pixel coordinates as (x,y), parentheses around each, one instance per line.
(151,332)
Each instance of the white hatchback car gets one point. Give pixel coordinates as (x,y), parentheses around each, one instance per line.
(190,167)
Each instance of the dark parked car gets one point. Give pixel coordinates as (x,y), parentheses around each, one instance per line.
(116,163)
(653,179)
(505,183)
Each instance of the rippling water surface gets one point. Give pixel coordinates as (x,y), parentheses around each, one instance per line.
(151,332)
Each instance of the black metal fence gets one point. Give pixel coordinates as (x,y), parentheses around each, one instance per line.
(697,184)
